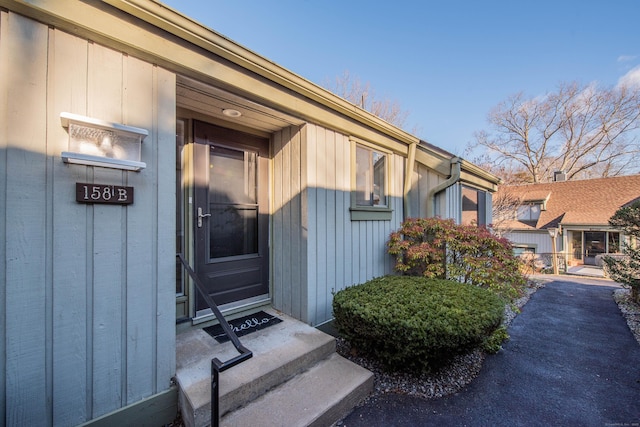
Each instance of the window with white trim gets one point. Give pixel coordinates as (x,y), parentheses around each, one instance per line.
(529,212)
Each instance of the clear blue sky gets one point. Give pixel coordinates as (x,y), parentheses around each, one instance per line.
(447,62)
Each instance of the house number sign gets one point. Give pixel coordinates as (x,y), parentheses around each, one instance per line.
(106,194)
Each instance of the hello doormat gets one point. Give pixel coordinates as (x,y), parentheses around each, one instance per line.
(243,325)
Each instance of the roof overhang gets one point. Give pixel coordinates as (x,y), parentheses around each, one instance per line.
(196,52)
(173,22)
(191,50)
(475,175)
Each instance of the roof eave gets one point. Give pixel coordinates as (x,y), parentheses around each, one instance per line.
(174,22)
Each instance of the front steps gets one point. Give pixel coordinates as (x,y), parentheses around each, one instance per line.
(294,378)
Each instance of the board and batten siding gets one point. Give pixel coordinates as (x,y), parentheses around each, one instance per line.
(88,292)
(453,203)
(422,180)
(288,239)
(540,240)
(317,248)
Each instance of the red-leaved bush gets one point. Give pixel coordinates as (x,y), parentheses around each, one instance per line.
(438,248)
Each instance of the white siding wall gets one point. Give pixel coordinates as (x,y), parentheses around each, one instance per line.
(538,239)
(88,292)
(317,249)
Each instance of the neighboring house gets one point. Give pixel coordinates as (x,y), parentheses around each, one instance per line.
(129,132)
(579,211)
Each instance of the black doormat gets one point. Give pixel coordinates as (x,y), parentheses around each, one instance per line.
(243,325)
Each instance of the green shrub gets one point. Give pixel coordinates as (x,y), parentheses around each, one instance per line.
(415,323)
(438,248)
(626,269)
(493,343)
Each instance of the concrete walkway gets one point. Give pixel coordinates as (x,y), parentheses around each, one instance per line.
(586,270)
(571,361)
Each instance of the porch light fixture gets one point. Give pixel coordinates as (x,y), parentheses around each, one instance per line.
(230,112)
(553,232)
(94,142)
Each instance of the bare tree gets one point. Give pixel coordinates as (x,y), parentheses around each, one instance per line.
(361,94)
(509,174)
(505,207)
(582,130)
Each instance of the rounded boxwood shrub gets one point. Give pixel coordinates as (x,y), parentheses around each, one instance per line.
(416,323)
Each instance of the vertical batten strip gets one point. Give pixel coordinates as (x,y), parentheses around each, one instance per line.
(277,249)
(67,92)
(304,221)
(296,246)
(25,177)
(4,102)
(105,72)
(332,235)
(139,250)
(124,249)
(312,216)
(50,230)
(154,287)
(164,244)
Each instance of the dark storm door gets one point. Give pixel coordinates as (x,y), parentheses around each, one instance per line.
(231,208)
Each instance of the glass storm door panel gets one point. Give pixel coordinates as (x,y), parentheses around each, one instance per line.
(594,244)
(576,246)
(231,224)
(233,203)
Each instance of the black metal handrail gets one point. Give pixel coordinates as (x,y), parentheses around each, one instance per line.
(216,365)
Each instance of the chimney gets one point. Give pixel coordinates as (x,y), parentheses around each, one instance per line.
(559,176)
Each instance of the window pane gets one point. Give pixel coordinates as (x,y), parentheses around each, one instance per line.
(180,137)
(524,212)
(469,206)
(614,242)
(232,176)
(535,211)
(233,225)
(576,244)
(529,212)
(370,177)
(363,180)
(233,230)
(594,242)
(379,162)
(521,250)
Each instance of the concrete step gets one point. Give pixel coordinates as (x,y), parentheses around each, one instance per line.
(318,397)
(280,352)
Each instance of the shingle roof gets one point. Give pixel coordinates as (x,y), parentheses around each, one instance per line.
(583,202)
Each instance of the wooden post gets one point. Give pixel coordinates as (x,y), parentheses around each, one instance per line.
(553,232)
(554,255)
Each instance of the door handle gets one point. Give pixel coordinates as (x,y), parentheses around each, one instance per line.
(200,216)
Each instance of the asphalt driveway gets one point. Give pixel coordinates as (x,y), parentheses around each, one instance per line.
(571,361)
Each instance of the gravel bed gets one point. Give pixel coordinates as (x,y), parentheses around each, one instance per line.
(629,309)
(448,380)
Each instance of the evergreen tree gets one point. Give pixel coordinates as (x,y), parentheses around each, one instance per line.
(626,269)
